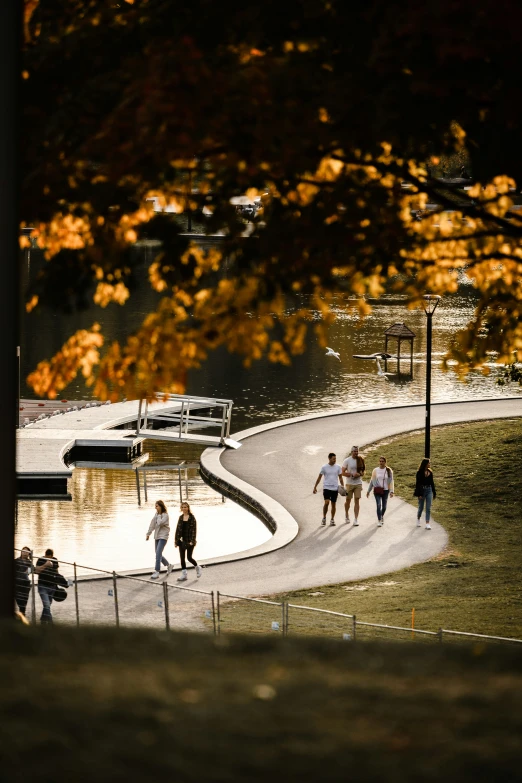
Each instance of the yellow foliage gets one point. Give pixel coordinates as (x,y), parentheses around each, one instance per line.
(31,304)
(106,293)
(79,354)
(323,115)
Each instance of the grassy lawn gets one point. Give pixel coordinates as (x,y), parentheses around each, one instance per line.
(85,705)
(472,586)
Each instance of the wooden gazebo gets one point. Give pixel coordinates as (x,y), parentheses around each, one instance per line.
(401,333)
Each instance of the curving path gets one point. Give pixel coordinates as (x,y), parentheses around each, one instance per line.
(277,464)
(283,460)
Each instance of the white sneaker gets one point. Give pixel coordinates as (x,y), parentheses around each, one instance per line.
(198,571)
(347,519)
(323,521)
(169,569)
(428,526)
(379,523)
(356,523)
(183,577)
(332,523)
(418,522)
(155,575)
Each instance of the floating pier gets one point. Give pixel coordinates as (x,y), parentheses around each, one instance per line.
(110,436)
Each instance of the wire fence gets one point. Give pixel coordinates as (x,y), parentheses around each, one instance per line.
(97,597)
(263,616)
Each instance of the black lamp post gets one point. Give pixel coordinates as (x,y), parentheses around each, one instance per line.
(430,305)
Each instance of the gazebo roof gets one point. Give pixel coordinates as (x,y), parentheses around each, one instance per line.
(399,330)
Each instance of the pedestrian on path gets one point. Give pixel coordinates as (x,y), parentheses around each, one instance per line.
(23,567)
(159,525)
(47,568)
(185,538)
(332,477)
(354,468)
(424,491)
(382,484)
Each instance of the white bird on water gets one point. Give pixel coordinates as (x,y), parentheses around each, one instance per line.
(331,352)
(380,372)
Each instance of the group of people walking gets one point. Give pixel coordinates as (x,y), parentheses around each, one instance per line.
(184,539)
(347,480)
(50,581)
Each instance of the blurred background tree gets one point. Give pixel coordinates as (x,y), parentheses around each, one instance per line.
(340,122)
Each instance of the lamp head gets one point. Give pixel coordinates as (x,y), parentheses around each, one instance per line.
(430,303)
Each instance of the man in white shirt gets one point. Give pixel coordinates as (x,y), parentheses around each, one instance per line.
(332,477)
(353,470)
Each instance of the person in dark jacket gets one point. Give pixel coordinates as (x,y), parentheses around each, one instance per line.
(47,581)
(185,538)
(23,567)
(424,491)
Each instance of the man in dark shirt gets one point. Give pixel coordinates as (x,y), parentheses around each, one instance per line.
(47,568)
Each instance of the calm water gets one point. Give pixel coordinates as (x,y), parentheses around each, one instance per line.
(105,527)
(316,383)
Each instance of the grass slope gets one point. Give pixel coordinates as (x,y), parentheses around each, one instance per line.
(103,705)
(475,584)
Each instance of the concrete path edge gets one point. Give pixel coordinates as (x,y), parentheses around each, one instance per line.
(278,520)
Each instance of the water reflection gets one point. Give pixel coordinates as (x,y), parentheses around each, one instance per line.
(104,524)
(317,383)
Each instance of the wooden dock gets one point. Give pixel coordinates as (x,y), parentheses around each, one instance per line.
(48,448)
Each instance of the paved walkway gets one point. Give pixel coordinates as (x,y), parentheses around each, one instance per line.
(283,462)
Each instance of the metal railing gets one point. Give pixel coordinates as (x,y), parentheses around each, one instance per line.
(262,622)
(136,601)
(183,416)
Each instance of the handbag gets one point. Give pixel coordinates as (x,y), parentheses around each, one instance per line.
(341,490)
(379,490)
(59,594)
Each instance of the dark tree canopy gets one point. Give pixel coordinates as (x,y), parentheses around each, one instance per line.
(320,110)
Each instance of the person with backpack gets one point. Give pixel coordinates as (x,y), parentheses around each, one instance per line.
(47,570)
(382,484)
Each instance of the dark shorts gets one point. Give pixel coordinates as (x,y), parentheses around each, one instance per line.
(330,494)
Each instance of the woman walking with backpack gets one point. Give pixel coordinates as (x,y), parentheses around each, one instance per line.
(424,491)
(382,484)
(185,538)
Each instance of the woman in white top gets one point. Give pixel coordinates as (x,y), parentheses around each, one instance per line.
(382,484)
(160,527)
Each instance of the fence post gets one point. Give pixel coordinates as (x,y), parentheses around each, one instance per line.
(76,596)
(282,618)
(166,604)
(213,613)
(115,590)
(440,635)
(138,487)
(33,598)
(286,619)
(218,615)
(354,627)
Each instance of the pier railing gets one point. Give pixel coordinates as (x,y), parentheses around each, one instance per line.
(100,597)
(186,417)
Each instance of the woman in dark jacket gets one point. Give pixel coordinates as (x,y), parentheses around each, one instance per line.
(23,567)
(185,538)
(424,491)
